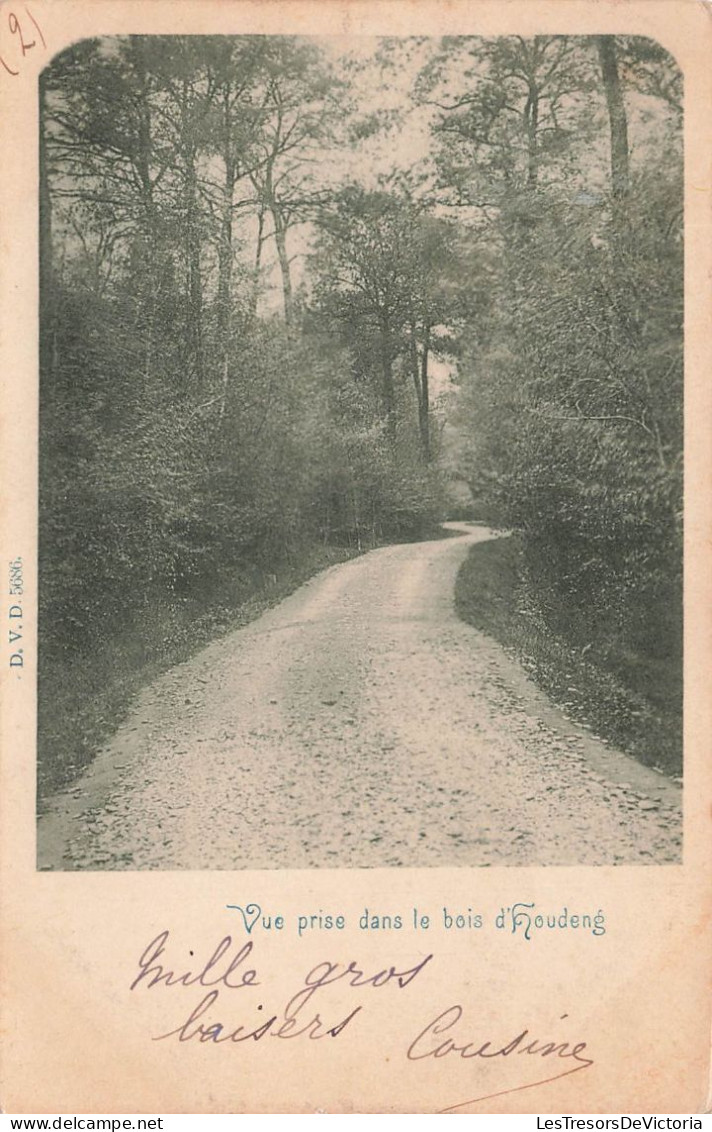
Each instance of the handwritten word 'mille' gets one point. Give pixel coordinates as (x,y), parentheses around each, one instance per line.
(19,33)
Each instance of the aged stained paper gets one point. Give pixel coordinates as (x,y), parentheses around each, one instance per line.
(563,977)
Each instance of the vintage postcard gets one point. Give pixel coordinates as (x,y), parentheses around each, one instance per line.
(356,532)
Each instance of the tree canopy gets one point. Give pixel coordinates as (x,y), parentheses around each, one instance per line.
(276,277)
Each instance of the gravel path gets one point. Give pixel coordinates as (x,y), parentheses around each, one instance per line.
(359,723)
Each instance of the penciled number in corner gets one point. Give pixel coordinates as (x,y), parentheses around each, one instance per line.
(20,33)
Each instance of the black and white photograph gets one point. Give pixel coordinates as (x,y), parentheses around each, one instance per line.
(360,453)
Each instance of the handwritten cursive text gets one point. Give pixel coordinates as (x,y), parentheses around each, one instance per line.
(430,1043)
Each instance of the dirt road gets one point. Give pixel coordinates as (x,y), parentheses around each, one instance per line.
(359,723)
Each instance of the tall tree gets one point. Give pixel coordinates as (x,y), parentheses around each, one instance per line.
(302,104)
(365,273)
(233,131)
(506,111)
(45,234)
(391,274)
(618,124)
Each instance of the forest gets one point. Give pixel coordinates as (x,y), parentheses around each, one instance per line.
(301,297)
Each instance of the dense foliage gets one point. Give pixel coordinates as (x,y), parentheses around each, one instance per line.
(573,388)
(251,303)
(204,432)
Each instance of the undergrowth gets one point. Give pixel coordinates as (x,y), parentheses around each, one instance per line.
(629,698)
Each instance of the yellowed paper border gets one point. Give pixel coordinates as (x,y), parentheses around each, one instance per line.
(76,1039)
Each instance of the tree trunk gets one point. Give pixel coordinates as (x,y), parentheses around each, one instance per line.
(620,169)
(280,237)
(225,284)
(389,400)
(195,286)
(531,120)
(225,243)
(258,260)
(419,371)
(188,145)
(148,280)
(45,242)
(225,250)
(414,359)
(424,404)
